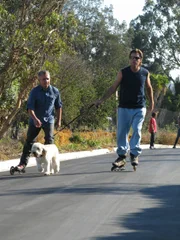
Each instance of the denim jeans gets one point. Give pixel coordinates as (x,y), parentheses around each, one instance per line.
(128,118)
(32,133)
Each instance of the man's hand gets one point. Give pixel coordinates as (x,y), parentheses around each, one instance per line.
(37,123)
(57,125)
(151,107)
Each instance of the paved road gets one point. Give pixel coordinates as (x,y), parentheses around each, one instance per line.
(87,201)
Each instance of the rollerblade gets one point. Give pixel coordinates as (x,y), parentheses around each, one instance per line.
(119,164)
(20,169)
(134,161)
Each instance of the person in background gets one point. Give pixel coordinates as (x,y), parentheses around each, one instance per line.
(178,133)
(42,101)
(152,129)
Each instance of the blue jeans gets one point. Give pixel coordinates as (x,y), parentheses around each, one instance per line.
(128,118)
(32,133)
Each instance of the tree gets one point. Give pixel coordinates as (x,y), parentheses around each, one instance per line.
(159,84)
(157,33)
(28,33)
(104,43)
(72,76)
(172,98)
(79,42)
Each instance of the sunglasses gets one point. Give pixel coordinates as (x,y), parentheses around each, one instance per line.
(136,58)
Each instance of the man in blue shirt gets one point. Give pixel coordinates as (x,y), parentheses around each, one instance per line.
(42,101)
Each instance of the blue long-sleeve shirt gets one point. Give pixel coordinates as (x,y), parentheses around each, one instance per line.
(43,102)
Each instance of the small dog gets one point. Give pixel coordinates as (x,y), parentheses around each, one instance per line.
(47,158)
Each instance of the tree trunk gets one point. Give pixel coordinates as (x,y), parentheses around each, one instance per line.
(6,121)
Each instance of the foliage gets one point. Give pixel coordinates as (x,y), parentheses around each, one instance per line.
(105,45)
(82,46)
(157,33)
(172,102)
(76,141)
(159,81)
(28,33)
(79,141)
(74,78)
(172,98)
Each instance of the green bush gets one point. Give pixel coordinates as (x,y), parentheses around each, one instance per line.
(76,139)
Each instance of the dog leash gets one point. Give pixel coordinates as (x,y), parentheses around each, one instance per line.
(82,113)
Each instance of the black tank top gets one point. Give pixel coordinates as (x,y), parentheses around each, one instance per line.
(132,88)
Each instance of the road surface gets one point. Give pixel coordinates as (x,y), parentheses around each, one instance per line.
(88,201)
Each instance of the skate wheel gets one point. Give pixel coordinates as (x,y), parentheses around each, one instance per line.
(134,167)
(122,169)
(23,171)
(117,169)
(112,169)
(12,170)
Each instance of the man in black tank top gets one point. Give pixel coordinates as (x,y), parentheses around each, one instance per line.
(132,82)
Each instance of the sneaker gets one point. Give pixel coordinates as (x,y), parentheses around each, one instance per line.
(20,167)
(120,161)
(174,146)
(134,160)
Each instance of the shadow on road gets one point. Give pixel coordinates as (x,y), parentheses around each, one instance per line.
(83,189)
(159,223)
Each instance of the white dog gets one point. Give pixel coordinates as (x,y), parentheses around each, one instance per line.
(46,158)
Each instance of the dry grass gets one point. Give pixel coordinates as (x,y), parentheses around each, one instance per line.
(10,149)
(67,141)
(162,137)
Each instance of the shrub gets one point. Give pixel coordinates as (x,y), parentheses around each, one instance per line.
(67,141)
(76,139)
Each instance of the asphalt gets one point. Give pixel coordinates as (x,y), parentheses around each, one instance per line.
(6,165)
(88,201)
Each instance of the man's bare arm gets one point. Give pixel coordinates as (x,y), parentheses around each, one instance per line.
(111,90)
(150,92)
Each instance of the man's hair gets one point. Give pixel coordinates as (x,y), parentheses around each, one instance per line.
(43,72)
(153,114)
(136,51)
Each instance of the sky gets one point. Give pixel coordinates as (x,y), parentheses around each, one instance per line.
(126,10)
